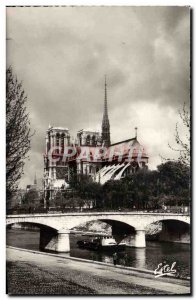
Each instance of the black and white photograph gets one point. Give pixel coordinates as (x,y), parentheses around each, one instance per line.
(98,150)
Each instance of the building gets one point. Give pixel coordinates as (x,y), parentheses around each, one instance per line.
(105,121)
(32,187)
(90,153)
(34,193)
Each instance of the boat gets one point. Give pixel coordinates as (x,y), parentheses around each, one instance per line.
(101,243)
(83,243)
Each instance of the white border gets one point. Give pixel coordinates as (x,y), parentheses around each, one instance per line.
(3,4)
(98,2)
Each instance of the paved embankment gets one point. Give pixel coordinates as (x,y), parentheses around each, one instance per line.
(32,272)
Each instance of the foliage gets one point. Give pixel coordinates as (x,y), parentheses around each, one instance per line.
(169,185)
(183,143)
(144,190)
(31,200)
(174,179)
(18,133)
(88,191)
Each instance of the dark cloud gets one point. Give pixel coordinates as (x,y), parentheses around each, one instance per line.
(62,54)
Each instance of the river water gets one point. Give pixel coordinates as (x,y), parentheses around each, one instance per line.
(145,258)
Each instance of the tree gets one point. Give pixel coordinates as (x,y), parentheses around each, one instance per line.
(18,132)
(116,193)
(183,143)
(143,189)
(174,179)
(88,192)
(31,200)
(61,201)
(58,200)
(175,174)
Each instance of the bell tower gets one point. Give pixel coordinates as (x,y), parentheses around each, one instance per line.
(105,121)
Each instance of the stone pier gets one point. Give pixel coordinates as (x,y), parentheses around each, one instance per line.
(53,240)
(63,243)
(140,241)
(136,239)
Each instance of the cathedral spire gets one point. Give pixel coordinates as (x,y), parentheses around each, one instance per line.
(105,121)
(35,180)
(136,132)
(105,99)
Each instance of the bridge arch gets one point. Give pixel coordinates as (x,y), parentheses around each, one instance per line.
(161,218)
(35,224)
(173,230)
(46,233)
(119,229)
(123,230)
(37,220)
(110,221)
(109,218)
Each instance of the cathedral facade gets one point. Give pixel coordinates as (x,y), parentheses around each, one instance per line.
(90,153)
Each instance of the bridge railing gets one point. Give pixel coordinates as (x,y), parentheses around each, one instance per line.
(52,210)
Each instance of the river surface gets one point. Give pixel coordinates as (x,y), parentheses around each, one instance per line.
(145,258)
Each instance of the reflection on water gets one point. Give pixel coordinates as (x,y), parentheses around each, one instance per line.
(140,257)
(145,258)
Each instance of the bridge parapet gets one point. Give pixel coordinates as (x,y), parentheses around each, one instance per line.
(98,213)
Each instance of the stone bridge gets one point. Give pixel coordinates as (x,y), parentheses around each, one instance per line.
(55,228)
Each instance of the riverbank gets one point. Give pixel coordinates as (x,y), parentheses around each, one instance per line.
(35,273)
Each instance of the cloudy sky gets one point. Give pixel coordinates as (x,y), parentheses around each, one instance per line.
(62,54)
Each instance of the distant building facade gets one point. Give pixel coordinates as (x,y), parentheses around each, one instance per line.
(90,153)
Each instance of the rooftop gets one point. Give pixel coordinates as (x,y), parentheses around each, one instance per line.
(57,128)
(88,130)
(125,141)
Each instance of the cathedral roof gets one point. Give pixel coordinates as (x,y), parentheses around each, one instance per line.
(88,130)
(125,141)
(57,128)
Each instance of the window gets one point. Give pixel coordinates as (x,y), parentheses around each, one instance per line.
(93,140)
(88,139)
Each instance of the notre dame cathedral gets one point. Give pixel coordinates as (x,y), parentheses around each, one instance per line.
(90,153)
